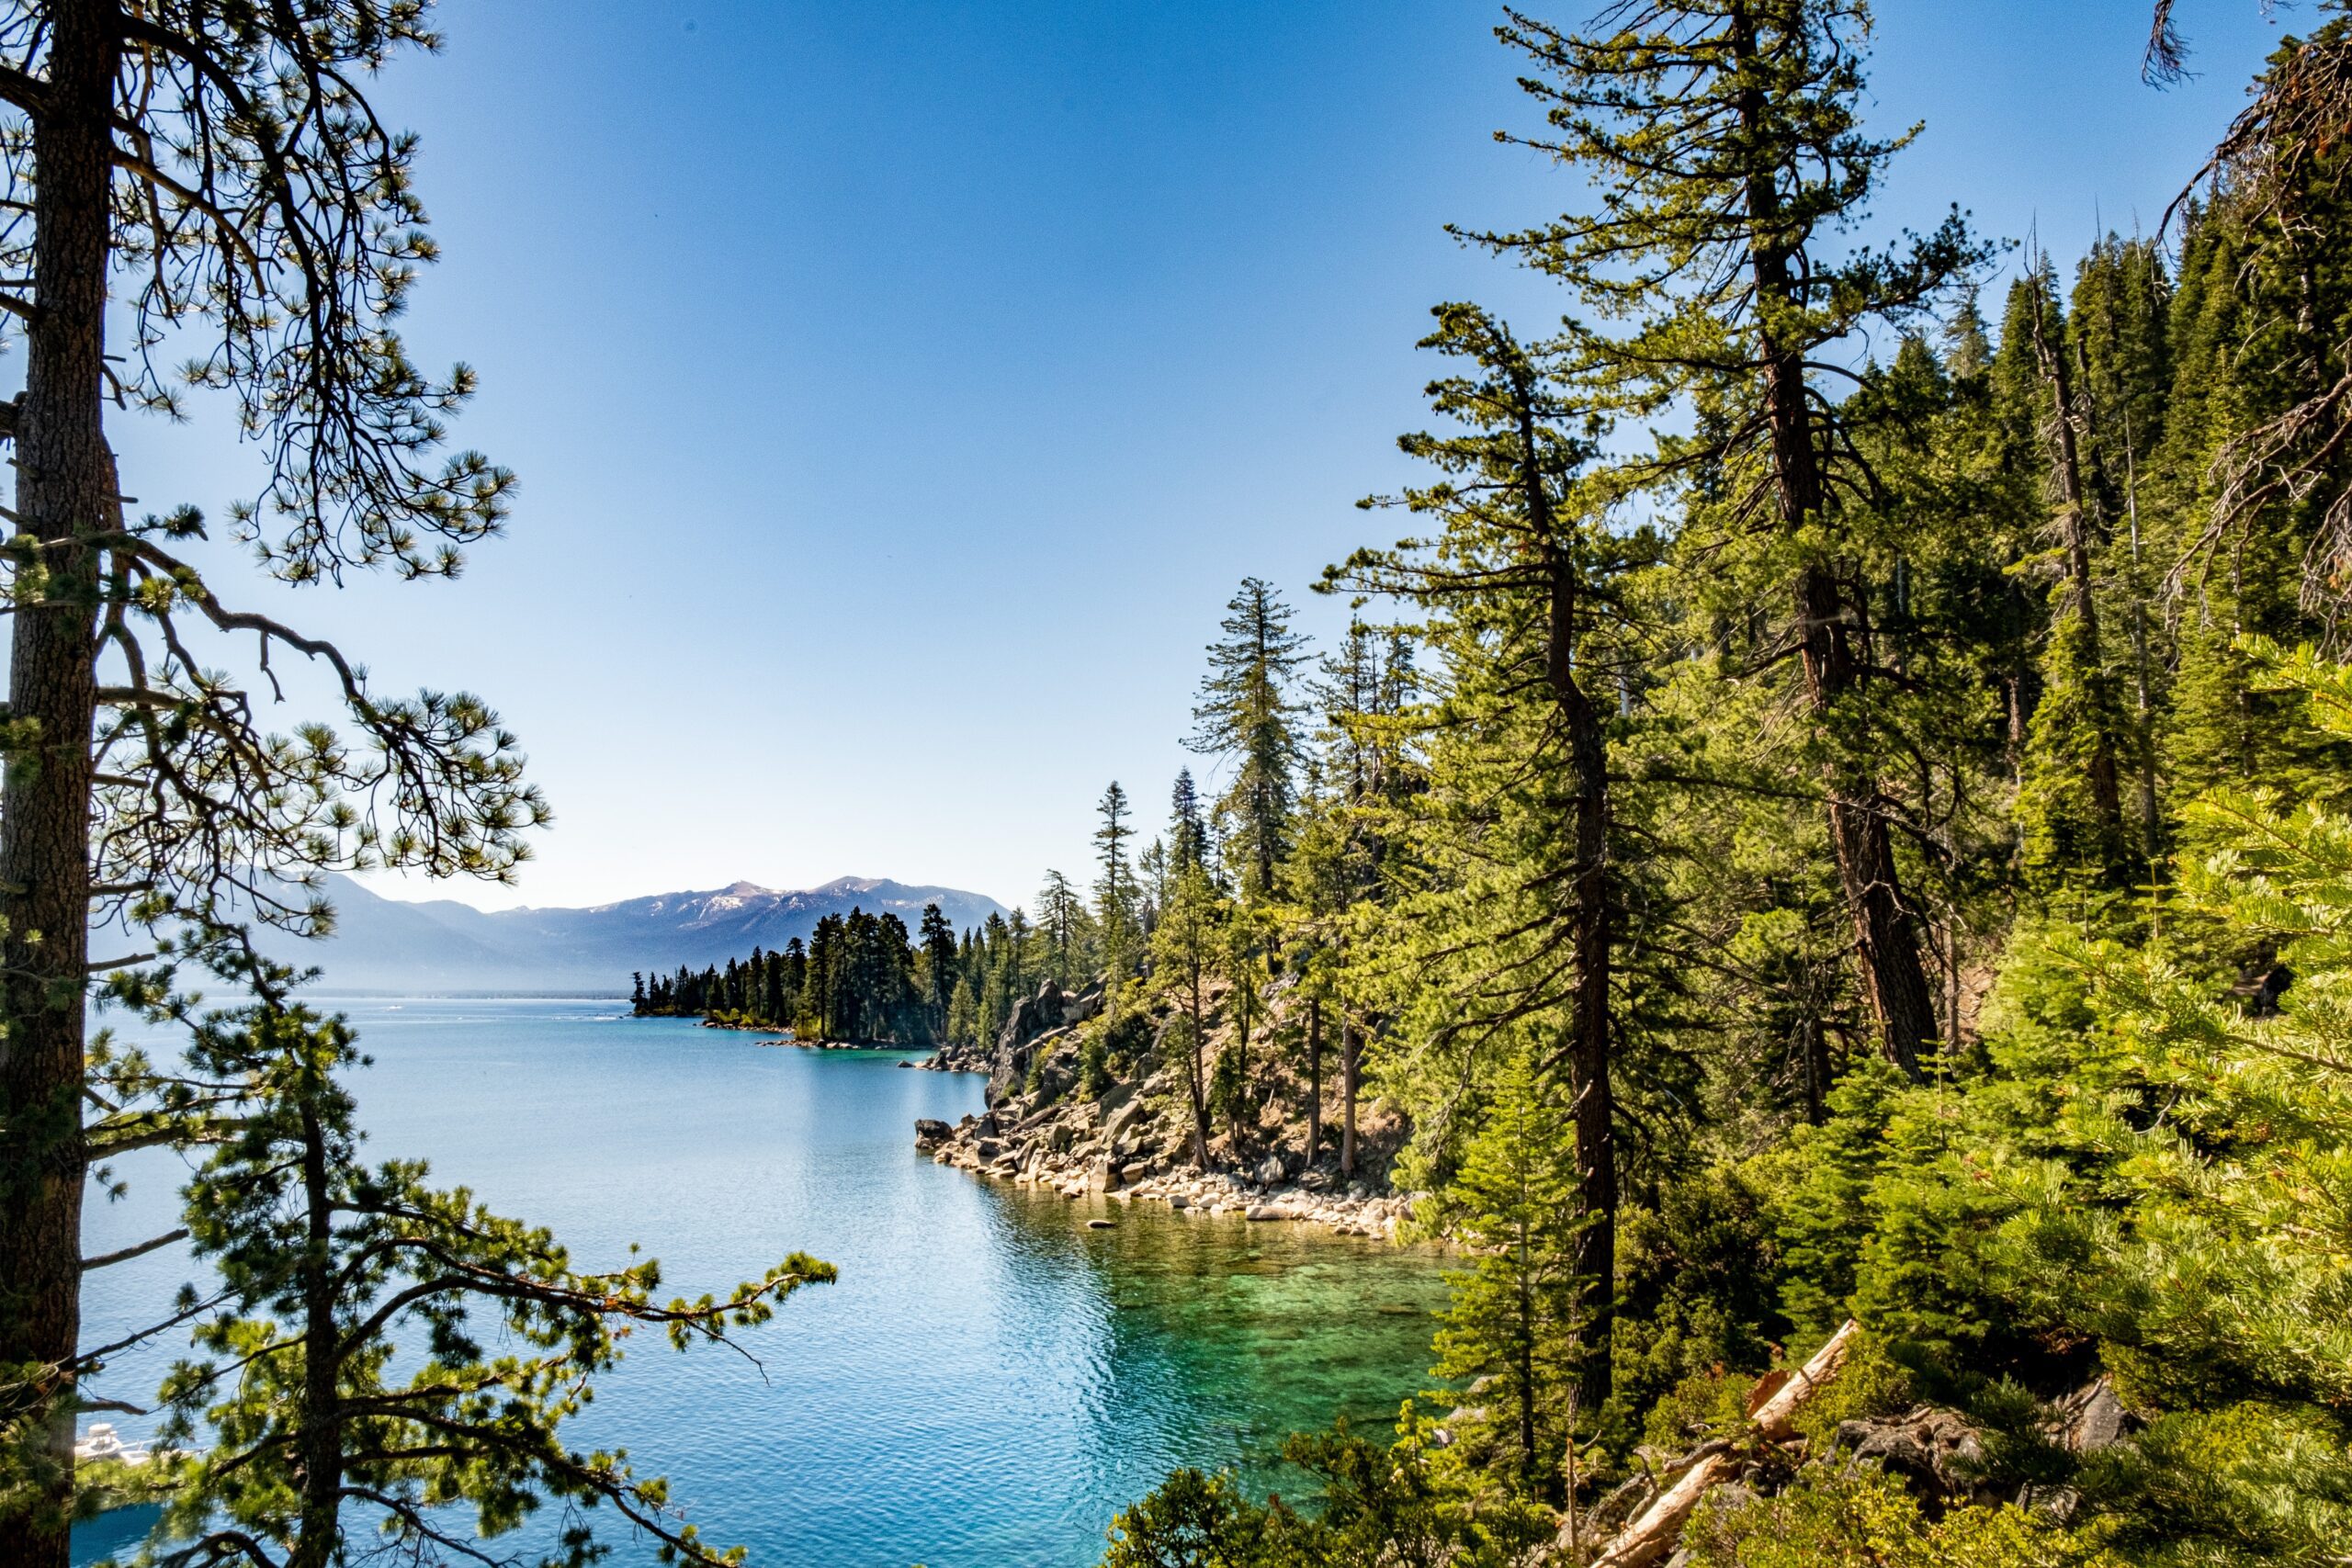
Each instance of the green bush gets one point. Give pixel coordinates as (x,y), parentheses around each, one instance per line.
(1862,1519)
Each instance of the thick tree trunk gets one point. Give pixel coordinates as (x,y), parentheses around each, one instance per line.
(1887,948)
(63,492)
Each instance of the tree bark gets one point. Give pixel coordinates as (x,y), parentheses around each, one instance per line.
(64,491)
(320,1438)
(1591,1093)
(1886,946)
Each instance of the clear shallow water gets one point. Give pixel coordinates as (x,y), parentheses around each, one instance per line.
(988,1382)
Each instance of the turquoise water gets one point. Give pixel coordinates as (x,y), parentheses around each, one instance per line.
(988,1381)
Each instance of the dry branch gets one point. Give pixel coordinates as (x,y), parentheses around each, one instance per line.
(1654,1533)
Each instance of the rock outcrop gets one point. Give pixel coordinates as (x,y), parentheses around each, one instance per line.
(1936,1451)
(1088,1106)
(1114,1146)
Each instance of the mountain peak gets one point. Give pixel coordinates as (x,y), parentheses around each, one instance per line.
(382,943)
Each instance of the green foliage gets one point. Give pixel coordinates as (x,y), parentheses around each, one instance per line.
(1867,1521)
(1514,1323)
(1698,1277)
(1094,1063)
(1247,715)
(1185,950)
(1879,795)
(1374,1505)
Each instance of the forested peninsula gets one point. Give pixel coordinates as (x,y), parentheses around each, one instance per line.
(858,979)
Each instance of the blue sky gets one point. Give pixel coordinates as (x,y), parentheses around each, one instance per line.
(899,390)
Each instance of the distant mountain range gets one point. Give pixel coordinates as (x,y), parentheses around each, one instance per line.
(384,944)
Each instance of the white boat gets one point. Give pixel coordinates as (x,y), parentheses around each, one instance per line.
(102,1441)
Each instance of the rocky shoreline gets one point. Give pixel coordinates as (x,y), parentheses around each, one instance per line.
(1103,1149)
(1121,1129)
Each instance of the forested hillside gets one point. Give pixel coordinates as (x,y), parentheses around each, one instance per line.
(1836,810)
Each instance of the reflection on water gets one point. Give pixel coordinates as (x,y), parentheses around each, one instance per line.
(990,1380)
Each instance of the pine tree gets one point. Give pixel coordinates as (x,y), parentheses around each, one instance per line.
(1725,138)
(1516,1314)
(1523,587)
(1247,716)
(223,192)
(1115,883)
(1185,951)
(1188,829)
(936,963)
(1061,923)
(2070,800)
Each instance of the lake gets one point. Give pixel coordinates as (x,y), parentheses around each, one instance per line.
(987,1384)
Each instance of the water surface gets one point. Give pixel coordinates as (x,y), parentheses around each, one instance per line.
(990,1380)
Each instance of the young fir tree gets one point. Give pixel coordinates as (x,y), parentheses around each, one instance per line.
(2070,802)
(1184,953)
(1151,886)
(1517,1312)
(1247,716)
(1241,962)
(1114,885)
(391,1356)
(1188,828)
(1724,137)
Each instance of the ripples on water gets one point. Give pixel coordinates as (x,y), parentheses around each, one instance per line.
(988,1382)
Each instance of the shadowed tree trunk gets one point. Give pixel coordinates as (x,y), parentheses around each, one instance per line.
(1886,945)
(65,492)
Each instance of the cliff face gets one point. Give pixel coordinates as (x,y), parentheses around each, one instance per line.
(1037,1024)
(1042,1025)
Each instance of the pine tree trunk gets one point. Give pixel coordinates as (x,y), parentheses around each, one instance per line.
(1885,943)
(64,491)
(1592,1092)
(320,1438)
(1815,1051)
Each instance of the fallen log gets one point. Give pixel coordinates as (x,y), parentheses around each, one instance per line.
(1654,1534)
